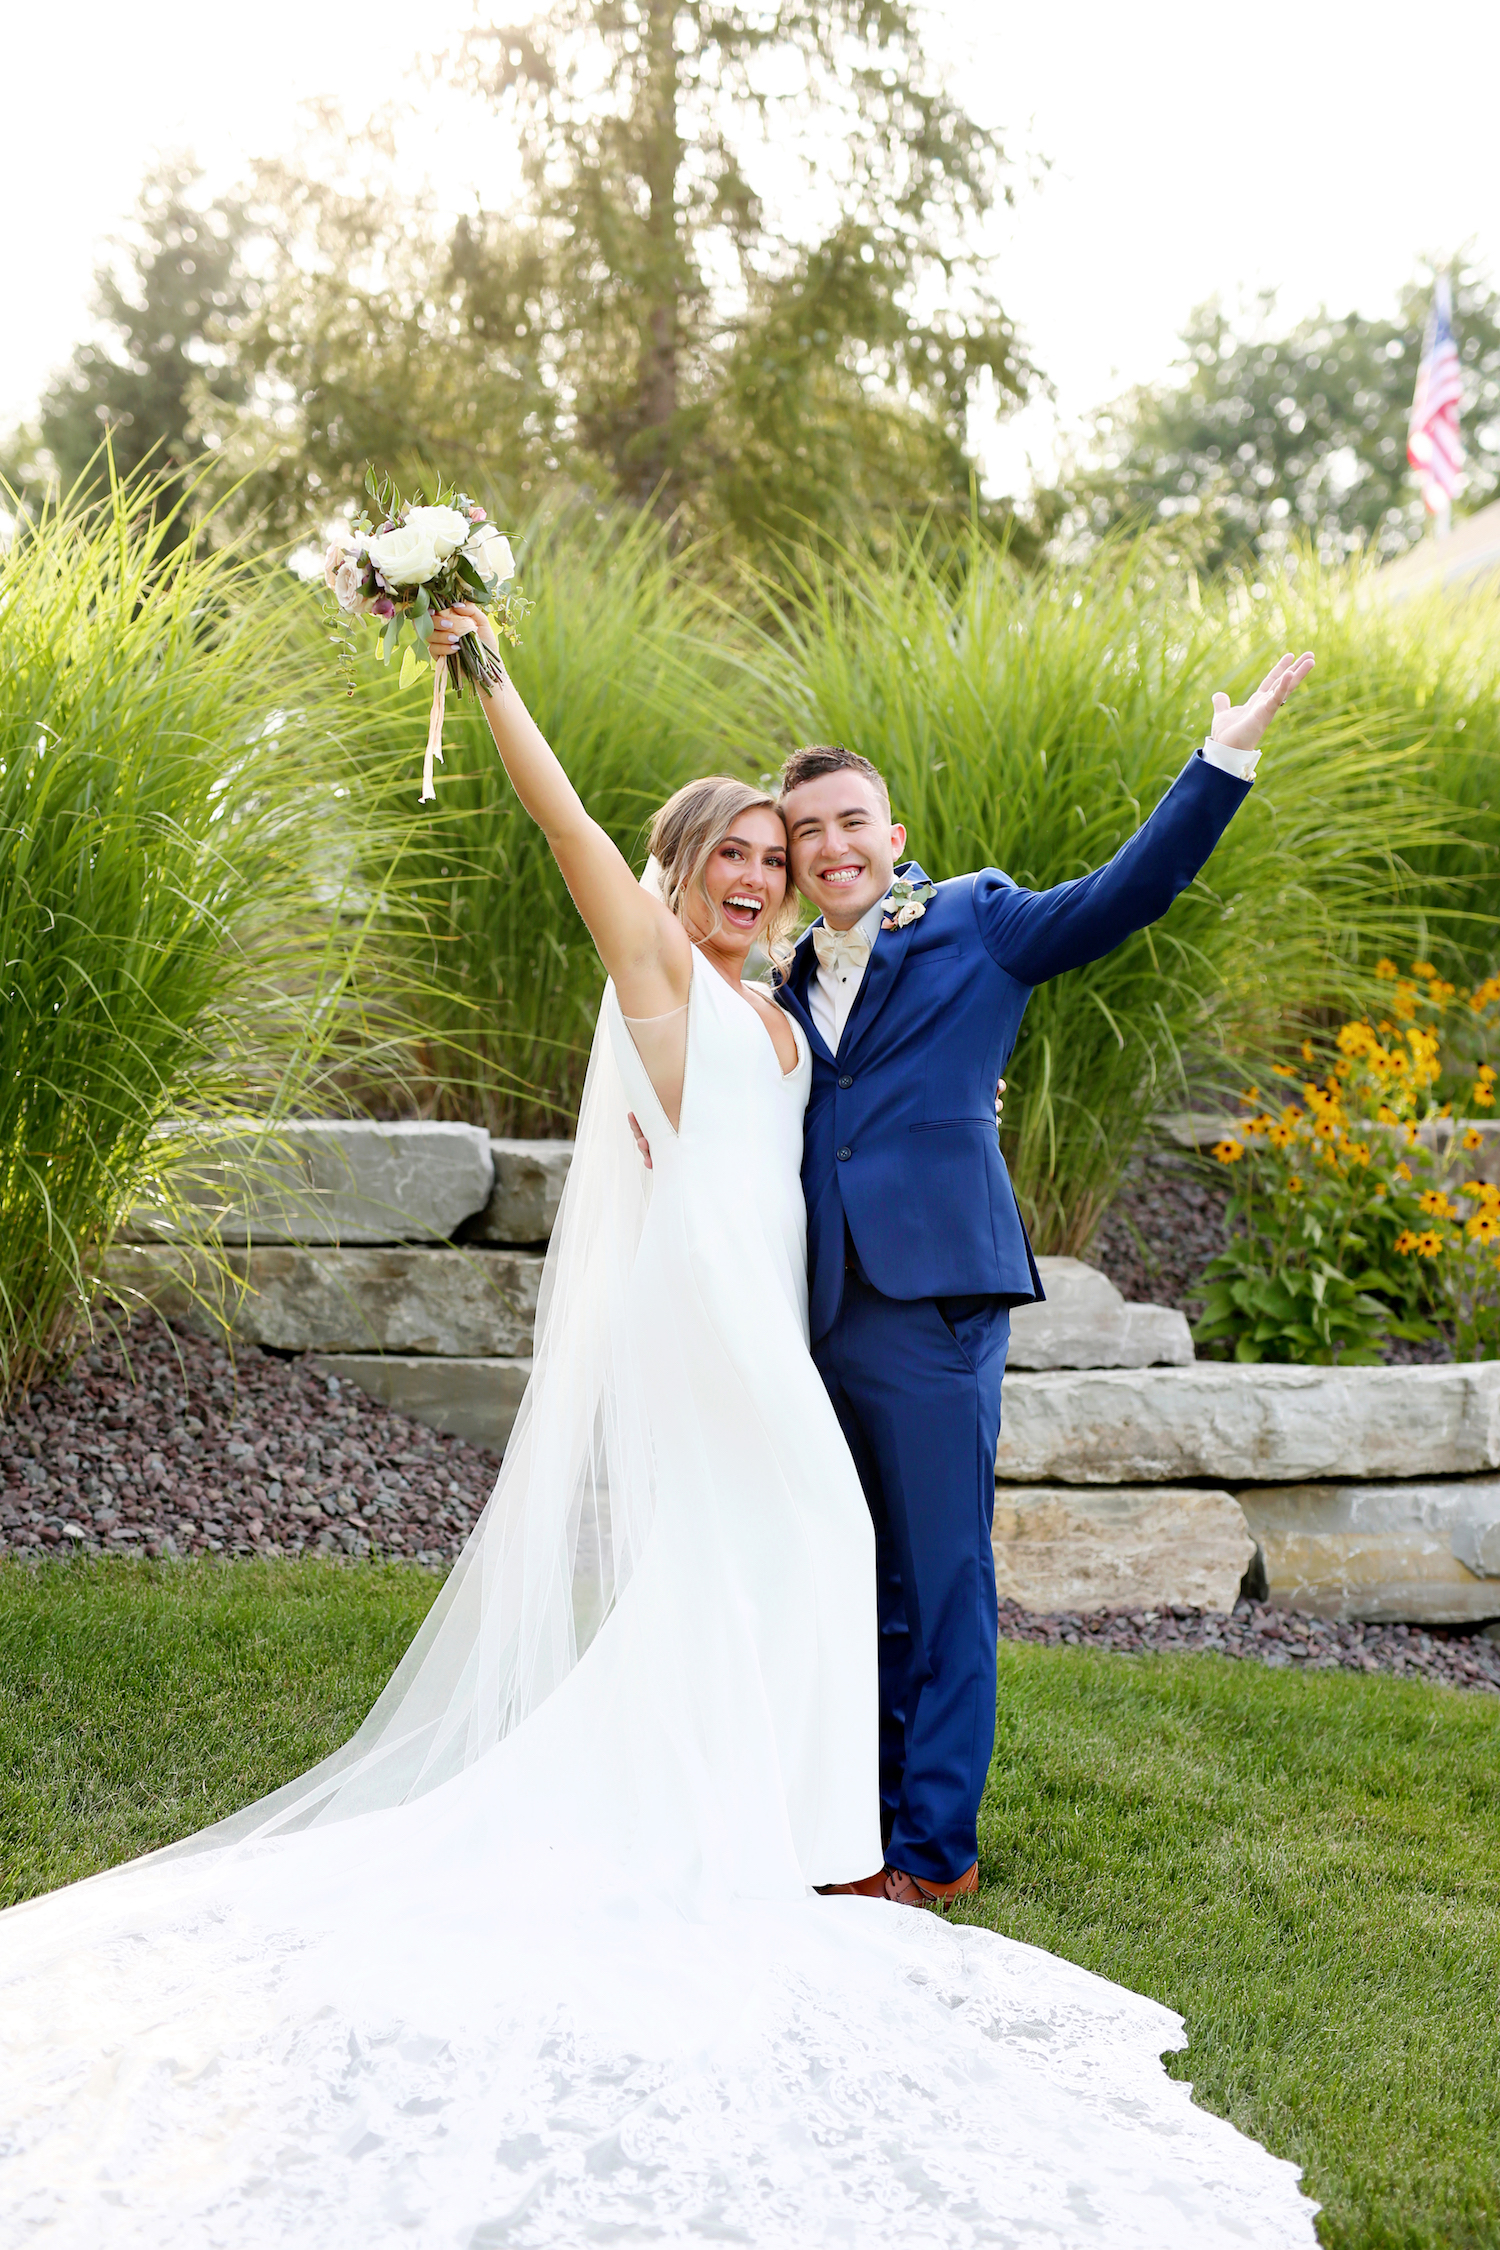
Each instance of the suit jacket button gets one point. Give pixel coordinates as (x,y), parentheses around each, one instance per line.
(845,1154)
(846,1081)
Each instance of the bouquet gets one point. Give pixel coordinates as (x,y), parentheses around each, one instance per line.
(417,559)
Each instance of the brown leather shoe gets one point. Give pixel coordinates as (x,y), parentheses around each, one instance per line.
(868,1886)
(910,1890)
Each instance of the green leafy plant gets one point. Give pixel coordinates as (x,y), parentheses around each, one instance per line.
(1344,1228)
(178,935)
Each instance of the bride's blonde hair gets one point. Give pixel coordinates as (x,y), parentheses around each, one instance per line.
(688,831)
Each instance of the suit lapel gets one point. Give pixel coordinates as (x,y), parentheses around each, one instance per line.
(879,978)
(793,994)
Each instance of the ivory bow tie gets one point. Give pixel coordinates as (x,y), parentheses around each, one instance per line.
(841,950)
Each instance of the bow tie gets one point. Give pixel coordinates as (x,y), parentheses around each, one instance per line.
(839,951)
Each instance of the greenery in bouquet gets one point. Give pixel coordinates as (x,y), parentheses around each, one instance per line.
(1345,1231)
(412,560)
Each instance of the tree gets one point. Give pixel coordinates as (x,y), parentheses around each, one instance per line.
(1262,437)
(642,326)
(711,353)
(170,318)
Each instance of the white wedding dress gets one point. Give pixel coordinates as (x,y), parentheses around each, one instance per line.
(536,1960)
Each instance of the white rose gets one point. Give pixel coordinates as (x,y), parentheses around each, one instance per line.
(491,551)
(349,585)
(445,527)
(406,556)
(331,563)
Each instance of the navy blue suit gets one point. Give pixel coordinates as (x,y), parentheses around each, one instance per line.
(916,1252)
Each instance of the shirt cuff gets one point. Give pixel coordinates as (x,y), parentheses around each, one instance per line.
(1241,763)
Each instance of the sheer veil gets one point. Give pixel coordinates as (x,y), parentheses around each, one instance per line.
(564,1527)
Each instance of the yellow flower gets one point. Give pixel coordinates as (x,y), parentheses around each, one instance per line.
(1405,1243)
(1385,1115)
(1307,1051)
(1403,1170)
(1486,1073)
(1430,1244)
(1294,1184)
(1281,1136)
(1325,1129)
(1404,999)
(1251,1097)
(1439,992)
(1358,1152)
(1356,1039)
(1291,1115)
(1484,1095)
(1228,1152)
(1423,969)
(1436,1204)
(1386,969)
(1282,1070)
(1484,1227)
(1409,1135)
(1472,1140)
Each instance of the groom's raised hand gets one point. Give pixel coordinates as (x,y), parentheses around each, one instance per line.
(1239,726)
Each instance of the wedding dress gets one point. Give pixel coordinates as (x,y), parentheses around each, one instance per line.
(536,1959)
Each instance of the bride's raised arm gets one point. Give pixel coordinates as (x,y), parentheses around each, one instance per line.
(643,946)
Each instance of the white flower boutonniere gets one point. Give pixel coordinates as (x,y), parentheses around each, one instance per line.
(905,902)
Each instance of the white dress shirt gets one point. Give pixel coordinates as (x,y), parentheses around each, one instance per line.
(833,993)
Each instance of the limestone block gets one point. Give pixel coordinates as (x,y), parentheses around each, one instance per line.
(1236,1425)
(529,1179)
(1425,1553)
(1062,1547)
(470,1398)
(1085,1322)
(337,1180)
(460,1304)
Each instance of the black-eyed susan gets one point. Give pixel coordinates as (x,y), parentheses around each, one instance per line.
(1386,969)
(1423,969)
(1471,1140)
(1484,1227)
(1435,1204)
(1405,1243)
(1294,1183)
(1430,1244)
(1227,1151)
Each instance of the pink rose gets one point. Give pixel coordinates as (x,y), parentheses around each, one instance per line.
(331,562)
(476,515)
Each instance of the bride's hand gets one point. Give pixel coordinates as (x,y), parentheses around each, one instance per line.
(450,625)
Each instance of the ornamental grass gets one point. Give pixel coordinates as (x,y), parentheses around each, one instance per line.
(177,935)
(624,670)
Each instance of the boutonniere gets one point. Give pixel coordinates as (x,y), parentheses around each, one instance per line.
(905,902)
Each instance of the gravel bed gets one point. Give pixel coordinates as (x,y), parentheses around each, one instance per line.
(1278,1637)
(163,1444)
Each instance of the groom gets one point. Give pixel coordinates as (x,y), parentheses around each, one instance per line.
(911,1001)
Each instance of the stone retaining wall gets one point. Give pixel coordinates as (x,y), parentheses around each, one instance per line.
(407,1257)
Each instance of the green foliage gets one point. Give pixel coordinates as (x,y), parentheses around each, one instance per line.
(168,349)
(642,326)
(1031,722)
(628,682)
(1264,437)
(170,879)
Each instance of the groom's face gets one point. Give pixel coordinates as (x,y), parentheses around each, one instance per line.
(844,844)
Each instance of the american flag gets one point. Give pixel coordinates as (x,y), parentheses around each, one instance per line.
(1433,445)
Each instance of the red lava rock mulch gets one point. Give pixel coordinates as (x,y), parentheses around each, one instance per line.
(166,1445)
(1278,1637)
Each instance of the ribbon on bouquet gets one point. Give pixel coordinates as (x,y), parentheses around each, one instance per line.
(435,727)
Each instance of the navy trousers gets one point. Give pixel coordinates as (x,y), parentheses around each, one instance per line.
(916,1387)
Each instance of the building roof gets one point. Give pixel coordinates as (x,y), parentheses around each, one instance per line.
(1470,552)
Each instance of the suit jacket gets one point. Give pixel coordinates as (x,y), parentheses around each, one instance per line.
(900,1145)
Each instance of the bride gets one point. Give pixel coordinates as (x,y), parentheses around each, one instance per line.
(538,1957)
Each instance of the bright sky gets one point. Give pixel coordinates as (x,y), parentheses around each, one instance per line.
(1297,143)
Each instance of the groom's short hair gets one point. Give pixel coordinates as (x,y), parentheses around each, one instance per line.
(829,757)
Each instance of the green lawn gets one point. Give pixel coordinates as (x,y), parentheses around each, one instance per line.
(1307,1867)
